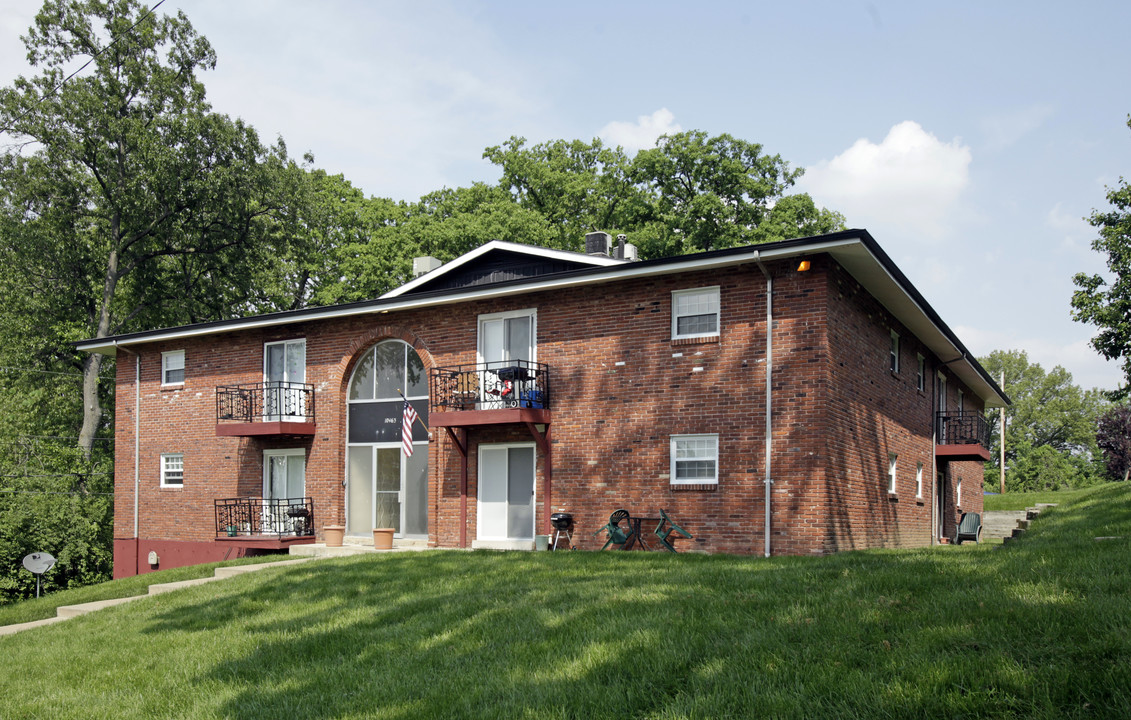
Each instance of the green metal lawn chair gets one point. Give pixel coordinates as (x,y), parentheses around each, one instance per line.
(617,535)
(664,533)
(969,528)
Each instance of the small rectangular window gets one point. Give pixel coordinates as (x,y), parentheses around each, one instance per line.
(961,401)
(919,480)
(695,313)
(694,459)
(920,378)
(894,359)
(958,493)
(173,367)
(892,457)
(173,470)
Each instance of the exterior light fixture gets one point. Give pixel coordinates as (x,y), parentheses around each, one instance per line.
(804,266)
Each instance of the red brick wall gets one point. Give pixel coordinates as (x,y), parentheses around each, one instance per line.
(620,388)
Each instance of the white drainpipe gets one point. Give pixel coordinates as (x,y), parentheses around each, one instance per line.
(768,481)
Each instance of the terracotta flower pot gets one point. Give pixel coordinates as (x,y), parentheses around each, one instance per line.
(383,538)
(334,535)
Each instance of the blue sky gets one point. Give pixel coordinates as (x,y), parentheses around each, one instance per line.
(971,139)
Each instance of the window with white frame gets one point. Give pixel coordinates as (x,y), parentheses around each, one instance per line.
(694,459)
(921,376)
(892,457)
(173,367)
(695,313)
(173,470)
(961,401)
(958,492)
(893,361)
(919,480)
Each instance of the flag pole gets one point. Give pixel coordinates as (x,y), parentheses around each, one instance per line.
(426,429)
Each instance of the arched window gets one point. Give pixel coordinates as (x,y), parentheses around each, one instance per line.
(386,487)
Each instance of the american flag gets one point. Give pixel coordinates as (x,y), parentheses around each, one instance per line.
(406,429)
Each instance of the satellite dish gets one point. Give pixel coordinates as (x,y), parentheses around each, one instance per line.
(39,563)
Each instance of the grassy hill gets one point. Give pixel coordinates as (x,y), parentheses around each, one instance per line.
(1039,628)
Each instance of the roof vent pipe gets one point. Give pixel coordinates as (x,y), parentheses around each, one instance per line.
(625,250)
(597,243)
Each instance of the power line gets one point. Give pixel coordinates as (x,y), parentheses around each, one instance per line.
(93,57)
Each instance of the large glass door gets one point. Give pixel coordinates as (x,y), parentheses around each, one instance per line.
(506,492)
(284,367)
(387,489)
(284,487)
(385,486)
(503,339)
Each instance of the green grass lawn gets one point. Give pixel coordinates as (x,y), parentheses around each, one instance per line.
(1040,628)
(45,606)
(1023,500)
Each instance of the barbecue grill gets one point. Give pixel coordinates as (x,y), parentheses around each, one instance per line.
(563,523)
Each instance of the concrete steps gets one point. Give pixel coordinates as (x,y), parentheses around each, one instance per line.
(63,612)
(1010,524)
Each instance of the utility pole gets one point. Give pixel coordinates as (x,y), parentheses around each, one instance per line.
(1002,424)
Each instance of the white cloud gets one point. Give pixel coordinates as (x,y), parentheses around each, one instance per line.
(642,134)
(910,182)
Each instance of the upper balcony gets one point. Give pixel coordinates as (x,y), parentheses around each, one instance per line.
(962,436)
(265,408)
(511,391)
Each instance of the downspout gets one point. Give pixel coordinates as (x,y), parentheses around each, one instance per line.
(935,522)
(768,480)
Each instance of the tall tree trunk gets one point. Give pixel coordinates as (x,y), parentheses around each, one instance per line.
(91,403)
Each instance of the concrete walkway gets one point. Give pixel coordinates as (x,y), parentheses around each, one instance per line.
(64,612)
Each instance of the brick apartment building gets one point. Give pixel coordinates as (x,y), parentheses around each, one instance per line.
(798,397)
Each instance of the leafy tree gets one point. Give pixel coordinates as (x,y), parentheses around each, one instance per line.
(1107,304)
(796,216)
(577,187)
(715,191)
(1050,415)
(1113,436)
(690,193)
(127,201)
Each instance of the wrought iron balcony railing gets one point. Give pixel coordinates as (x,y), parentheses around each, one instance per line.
(264,517)
(962,428)
(491,386)
(272,401)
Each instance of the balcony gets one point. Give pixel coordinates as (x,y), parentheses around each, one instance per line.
(265,522)
(962,436)
(266,408)
(511,391)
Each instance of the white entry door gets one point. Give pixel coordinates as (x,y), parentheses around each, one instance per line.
(506,492)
